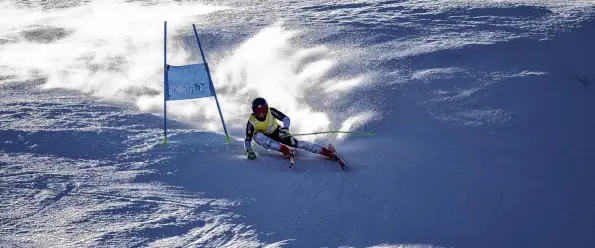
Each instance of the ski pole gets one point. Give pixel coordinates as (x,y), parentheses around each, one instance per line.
(302,134)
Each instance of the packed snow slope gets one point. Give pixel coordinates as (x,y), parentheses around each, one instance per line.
(483,114)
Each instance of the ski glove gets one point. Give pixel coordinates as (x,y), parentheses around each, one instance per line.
(283,133)
(250,154)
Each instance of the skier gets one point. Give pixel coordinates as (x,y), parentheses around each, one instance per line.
(265,130)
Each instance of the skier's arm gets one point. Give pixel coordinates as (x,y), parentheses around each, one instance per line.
(249,134)
(282,117)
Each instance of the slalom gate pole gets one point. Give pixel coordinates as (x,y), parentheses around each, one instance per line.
(211,83)
(165,86)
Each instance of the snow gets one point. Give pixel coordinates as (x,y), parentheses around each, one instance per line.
(482,113)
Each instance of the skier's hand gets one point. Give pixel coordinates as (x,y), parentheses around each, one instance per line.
(250,154)
(283,133)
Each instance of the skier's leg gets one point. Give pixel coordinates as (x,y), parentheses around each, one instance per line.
(271,144)
(314,148)
(304,145)
(290,141)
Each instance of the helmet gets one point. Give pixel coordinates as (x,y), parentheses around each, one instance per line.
(259,106)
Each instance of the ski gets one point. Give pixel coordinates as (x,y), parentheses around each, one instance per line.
(291,157)
(337,157)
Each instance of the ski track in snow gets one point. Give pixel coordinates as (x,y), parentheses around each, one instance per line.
(483,114)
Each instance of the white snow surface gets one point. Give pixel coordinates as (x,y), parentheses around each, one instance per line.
(483,115)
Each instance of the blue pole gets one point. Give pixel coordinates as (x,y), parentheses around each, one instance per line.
(165,90)
(211,84)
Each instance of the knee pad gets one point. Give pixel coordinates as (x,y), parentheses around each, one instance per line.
(293,142)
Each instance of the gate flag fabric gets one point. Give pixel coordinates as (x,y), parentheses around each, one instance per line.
(187,82)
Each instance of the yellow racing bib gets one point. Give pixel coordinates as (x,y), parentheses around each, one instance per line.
(268,126)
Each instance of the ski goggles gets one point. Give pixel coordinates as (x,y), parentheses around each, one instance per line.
(261,110)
